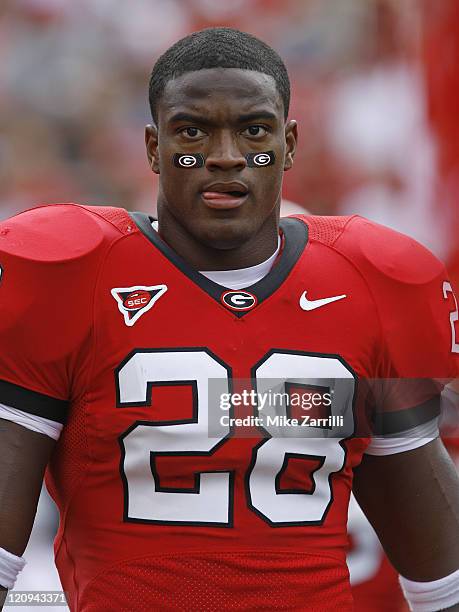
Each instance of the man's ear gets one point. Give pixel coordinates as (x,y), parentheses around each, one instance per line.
(291,138)
(151,142)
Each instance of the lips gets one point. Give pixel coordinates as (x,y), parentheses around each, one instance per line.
(224,196)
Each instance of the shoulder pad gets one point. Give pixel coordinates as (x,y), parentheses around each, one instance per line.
(374,248)
(325,229)
(57,232)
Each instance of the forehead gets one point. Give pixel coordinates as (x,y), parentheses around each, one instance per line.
(218,90)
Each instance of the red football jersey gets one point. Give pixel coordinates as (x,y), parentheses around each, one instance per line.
(163,507)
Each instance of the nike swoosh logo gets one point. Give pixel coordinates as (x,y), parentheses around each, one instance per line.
(306,304)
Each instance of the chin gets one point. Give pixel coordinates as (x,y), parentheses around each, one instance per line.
(225,234)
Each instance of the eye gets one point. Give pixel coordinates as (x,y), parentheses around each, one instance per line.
(255,130)
(191,132)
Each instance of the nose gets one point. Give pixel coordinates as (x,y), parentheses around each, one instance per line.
(224,153)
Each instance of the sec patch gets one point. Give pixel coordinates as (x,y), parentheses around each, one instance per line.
(135,301)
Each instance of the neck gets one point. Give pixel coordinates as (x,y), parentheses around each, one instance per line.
(251,252)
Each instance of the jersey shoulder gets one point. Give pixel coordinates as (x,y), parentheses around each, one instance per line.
(61,232)
(375,249)
(50,258)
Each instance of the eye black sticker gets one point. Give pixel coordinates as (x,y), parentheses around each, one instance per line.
(197,160)
(188,160)
(259,160)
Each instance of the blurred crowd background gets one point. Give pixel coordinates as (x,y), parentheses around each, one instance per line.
(375,89)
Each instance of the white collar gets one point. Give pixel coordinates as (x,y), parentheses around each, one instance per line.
(243,277)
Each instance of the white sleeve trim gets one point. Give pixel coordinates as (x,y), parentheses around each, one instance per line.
(431,596)
(31,421)
(449,409)
(10,567)
(404,441)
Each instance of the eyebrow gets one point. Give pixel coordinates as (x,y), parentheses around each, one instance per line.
(257,115)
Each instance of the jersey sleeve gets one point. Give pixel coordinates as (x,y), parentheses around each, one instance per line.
(417,311)
(48,259)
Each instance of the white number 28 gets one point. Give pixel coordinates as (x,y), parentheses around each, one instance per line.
(453,317)
(209,502)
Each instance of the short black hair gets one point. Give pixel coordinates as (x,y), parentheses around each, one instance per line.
(217,48)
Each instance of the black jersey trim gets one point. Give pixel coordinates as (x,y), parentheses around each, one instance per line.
(33,402)
(388,423)
(296,239)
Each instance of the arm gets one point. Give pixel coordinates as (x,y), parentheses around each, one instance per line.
(24,455)
(44,361)
(412,501)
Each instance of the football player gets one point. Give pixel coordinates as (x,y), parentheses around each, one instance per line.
(152,351)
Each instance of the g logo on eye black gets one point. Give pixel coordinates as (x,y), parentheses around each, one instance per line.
(259,160)
(262,159)
(187,161)
(239,300)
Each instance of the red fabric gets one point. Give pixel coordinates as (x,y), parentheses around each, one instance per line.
(94,358)
(221,581)
(441,56)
